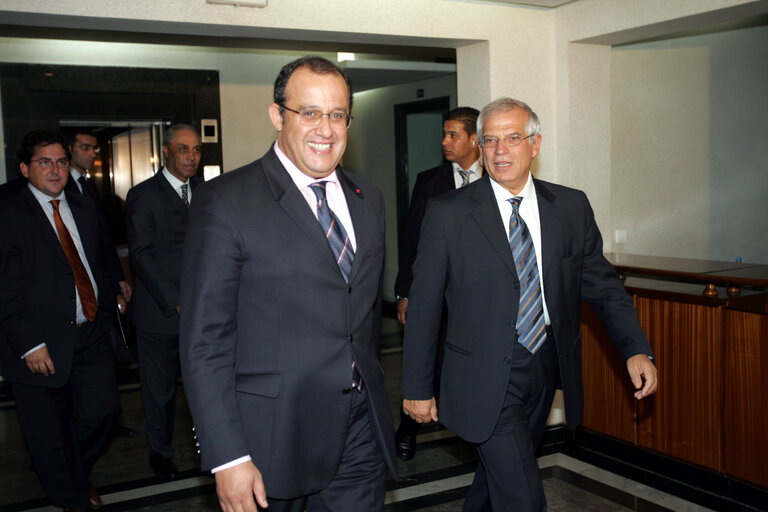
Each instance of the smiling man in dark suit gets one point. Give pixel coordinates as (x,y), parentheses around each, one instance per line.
(512,257)
(462,167)
(56,296)
(156,219)
(281,315)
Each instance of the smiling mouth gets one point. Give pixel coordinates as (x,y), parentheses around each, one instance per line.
(319,147)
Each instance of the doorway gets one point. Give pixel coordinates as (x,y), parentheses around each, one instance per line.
(418,139)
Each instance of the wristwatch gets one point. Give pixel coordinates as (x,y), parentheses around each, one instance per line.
(398,298)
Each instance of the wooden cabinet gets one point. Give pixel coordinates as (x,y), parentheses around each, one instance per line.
(711,351)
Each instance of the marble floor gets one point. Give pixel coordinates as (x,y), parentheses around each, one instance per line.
(436,480)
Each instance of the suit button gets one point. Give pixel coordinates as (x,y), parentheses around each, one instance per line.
(350,338)
(349,289)
(72,322)
(512,323)
(516,285)
(72,299)
(347,391)
(508,360)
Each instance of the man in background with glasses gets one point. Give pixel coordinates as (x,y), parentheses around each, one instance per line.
(56,295)
(512,257)
(281,315)
(84,148)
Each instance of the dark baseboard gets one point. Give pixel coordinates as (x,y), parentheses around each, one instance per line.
(687,481)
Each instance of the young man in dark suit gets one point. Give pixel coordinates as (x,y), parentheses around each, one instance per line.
(462,167)
(281,315)
(511,257)
(156,217)
(55,297)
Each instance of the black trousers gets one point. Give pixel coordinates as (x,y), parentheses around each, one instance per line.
(158,372)
(507,477)
(359,483)
(66,428)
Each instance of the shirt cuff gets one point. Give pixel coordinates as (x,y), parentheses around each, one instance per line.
(32,350)
(232,463)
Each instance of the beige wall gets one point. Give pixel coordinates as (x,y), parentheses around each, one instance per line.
(689,159)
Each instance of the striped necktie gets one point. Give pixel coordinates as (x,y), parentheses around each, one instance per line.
(334,231)
(185,194)
(531,329)
(464,177)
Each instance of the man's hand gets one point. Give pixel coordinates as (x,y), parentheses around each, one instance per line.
(121,305)
(237,486)
(40,361)
(641,368)
(402,309)
(422,411)
(125,289)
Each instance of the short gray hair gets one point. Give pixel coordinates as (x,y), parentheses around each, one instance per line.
(532,127)
(170,132)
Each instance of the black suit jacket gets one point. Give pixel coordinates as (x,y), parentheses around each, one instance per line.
(156,220)
(429,184)
(464,258)
(108,245)
(270,327)
(37,288)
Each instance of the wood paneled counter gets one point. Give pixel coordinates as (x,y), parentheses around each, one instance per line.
(707,323)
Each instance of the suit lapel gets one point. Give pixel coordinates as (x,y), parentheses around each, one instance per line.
(362,220)
(42,225)
(446,183)
(85,229)
(486,214)
(550,224)
(295,206)
(171,196)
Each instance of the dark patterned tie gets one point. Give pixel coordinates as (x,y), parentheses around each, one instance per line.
(83,189)
(334,231)
(185,194)
(531,329)
(82,281)
(464,177)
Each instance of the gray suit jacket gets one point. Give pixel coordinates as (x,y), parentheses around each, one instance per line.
(156,220)
(270,327)
(464,258)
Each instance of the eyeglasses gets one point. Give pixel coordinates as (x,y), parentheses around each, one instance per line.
(312,117)
(88,147)
(47,163)
(511,141)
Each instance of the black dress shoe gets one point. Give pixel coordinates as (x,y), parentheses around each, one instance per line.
(163,466)
(406,445)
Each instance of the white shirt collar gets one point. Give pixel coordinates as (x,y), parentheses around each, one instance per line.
(299,178)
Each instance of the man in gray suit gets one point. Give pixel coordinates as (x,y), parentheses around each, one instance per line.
(157,221)
(281,315)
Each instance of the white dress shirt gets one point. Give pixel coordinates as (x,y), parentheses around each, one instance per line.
(475,172)
(529,211)
(176,183)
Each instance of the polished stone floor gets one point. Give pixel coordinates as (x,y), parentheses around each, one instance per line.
(436,480)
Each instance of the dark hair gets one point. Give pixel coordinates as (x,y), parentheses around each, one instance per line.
(170,132)
(72,135)
(467,115)
(318,65)
(37,138)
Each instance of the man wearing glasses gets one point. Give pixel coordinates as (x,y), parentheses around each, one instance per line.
(84,148)
(281,305)
(56,296)
(512,256)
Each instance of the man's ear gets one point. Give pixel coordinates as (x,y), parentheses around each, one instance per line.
(24,168)
(275,116)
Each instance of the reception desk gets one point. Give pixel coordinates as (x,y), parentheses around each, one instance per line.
(707,322)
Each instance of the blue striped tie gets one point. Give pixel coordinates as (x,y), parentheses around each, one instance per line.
(334,231)
(531,329)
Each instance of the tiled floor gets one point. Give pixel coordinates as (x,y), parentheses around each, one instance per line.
(436,480)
